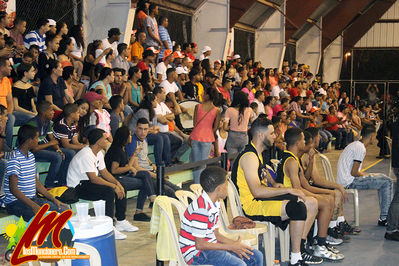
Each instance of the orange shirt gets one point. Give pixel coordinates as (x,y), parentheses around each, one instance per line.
(5,89)
(135,49)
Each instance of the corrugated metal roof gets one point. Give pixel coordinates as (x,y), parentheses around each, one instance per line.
(258,13)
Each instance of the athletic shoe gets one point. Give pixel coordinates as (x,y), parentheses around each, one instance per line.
(141,217)
(382,222)
(336,233)
(299,263)
(119,235)
(323,252)
(332,249)
(310,259)
(346,228)
(392,236)
(333,241)
(125,226)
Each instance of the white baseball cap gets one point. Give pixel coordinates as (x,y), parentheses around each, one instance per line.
(180,70)
(206,49)
(236,56)
(51,22)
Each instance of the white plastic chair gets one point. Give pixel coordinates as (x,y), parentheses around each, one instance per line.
(328,173)
(95,258)
(269,236)
(246,236)
(197,189)
(389,140)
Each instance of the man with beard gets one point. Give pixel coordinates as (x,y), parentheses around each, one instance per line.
(277,204)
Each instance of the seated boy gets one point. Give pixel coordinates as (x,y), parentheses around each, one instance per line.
(200,240)
(21,183)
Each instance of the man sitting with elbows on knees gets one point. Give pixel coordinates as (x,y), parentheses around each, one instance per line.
(277,204)
(350,175)
(200,240)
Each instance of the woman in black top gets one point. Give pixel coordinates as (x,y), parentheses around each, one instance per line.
(121,167)
(23,95)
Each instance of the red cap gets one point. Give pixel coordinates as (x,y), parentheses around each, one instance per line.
(167,53)
(92,96)
(217,62)
(178,54)
(314,109)
(194,44)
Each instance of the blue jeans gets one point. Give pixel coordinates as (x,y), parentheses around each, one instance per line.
(227,258)
(18,208)
(393,213)
(199,151)
(161,148)
(15,119)
(143,181)
(380,182)
(58,167)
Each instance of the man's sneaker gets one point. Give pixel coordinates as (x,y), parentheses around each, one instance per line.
(323,252)
(141,217)
(335,233)
(333,241)
(119,235)
(392,236)
(310,259)
(346,228)
(332,249)
(382,222)
(125,226)
(299,263)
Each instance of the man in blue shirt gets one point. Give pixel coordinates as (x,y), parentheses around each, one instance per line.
(21,182)
(38,36)
(164,35)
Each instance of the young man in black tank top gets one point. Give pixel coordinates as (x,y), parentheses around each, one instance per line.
(338,227)
(292,170)
(295,207)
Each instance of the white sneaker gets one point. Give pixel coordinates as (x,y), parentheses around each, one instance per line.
(119,235)
(125,226)
(324,253)
(333,241)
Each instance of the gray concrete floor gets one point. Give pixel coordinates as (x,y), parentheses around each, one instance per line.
(367,248)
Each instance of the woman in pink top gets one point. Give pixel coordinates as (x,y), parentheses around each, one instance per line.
(239,116)
(269,102)
(206,122)
(247,88)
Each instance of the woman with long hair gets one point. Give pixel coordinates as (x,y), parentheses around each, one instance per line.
(77,36)
(64,51)
(141,15)
(206,122)
(161,142)
(61,29)
(106,77)
(134,88)
(121,167)
(237,118)
(70,77)
(247,88)
(269,102)
(90,61)
(146,82)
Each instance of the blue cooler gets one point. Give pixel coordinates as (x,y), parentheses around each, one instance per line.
(98,233)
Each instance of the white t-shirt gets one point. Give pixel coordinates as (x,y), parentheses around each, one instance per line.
(85,161)
(77,51)
(354,152)
(113,45)
(162,109)
(261,107)
(98,53)
(276,91)
(161,69)
(322,91)
(169,87)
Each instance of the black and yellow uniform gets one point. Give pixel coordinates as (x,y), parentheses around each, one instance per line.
(282,178)
(257,209)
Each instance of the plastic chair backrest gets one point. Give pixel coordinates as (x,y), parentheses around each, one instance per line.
(184,195)
(197,189)
(234,200)
(173,230)
(328,173)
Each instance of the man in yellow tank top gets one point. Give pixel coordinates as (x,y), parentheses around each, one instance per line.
(279,205)
(290,172)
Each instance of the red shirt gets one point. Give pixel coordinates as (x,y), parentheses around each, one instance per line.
(225,93)
(142,66)
(332,119)
(294,92)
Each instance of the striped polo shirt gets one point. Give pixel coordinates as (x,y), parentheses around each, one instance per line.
(34,37)
(25,169)
(200,220)
(354,152)
(62,131)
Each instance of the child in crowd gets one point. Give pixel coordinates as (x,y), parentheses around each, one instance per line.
(200,239)
(99,118)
